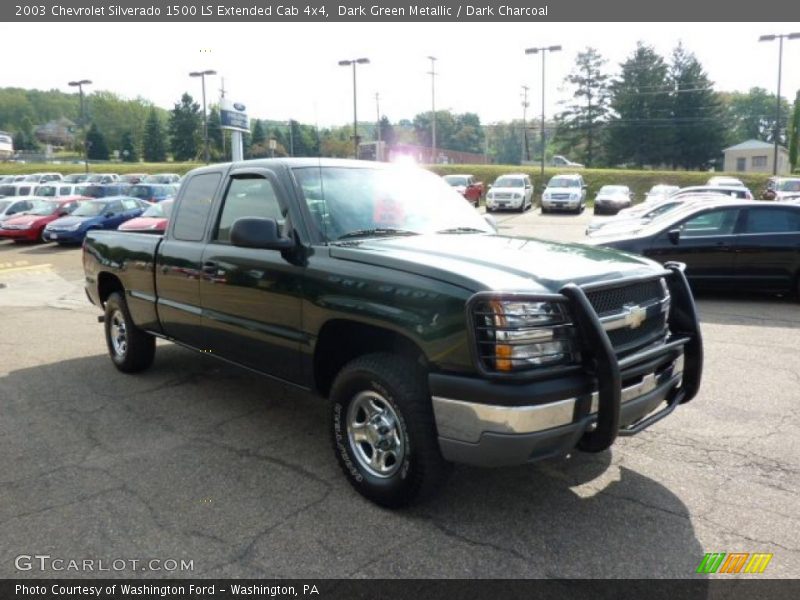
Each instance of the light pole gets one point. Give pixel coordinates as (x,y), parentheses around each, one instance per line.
(79,85)
(772,38)
(202,76)
(543,50)
(432,73)
(525,105)
(347,63)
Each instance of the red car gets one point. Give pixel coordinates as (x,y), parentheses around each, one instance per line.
(29,226)
(153,220)
(467,186)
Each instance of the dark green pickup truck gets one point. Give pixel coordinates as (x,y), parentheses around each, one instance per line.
(436,339)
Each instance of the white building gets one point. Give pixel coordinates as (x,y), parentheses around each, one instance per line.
(755,156)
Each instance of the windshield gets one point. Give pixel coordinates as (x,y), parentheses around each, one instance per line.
(456,180)
(161,210)
(790,185)
(33,177)
(563,182)
(46,190)
(509,182)
(386,201)
(90,209)
(613,189)
(141,191)
(4,204)
(43,208)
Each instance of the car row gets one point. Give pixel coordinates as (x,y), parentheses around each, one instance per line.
(27,183)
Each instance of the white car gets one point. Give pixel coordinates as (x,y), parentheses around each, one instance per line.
(57,190)
(735,192)
(563,161)
(783,188)
(612,198)
(564,192)
(41,178)
(660,191)
(514,191)
(19,188)
(726,181)
(12,207)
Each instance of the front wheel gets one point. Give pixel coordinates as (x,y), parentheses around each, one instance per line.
(383,430)
(131,349)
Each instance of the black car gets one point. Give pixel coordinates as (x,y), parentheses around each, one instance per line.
(91,190)
(736,245)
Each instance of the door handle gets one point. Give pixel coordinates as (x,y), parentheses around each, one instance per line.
(210,267)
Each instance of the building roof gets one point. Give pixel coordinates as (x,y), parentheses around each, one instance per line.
(753,145)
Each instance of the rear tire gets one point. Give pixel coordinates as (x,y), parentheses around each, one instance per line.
(383,430)
(131,349)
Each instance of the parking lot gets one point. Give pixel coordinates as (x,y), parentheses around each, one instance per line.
(200,461)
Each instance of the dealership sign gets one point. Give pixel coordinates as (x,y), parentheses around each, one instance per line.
(233,116)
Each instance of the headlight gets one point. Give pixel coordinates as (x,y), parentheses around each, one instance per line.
(490,195)
(575,196)
(518,335)
(517,196)
(73,227)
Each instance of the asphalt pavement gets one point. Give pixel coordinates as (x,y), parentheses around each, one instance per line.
(201,462)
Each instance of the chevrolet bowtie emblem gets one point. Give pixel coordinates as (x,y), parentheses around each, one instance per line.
(635,316)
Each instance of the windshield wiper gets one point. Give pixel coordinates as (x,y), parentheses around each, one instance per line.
(375,232)
(462,230)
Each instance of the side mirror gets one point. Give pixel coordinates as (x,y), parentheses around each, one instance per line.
(108,215)
(488,187)
(674,236)
(252,232)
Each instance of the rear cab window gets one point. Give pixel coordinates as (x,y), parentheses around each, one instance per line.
(191,218)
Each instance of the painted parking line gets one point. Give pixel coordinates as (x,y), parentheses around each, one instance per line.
(27,268)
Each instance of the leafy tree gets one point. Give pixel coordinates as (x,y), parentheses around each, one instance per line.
(259,136)
(185,124)
(505,140)
(639,133)
(128,150)
(387,131)
(751,115)
(794,132)
(154,147)
(579,125)
(215,133)
(698,128)
(97,149)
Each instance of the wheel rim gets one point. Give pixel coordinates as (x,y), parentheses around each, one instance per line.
(118,333)
(375,433)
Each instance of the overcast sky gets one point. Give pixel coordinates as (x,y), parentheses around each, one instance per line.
(283,71)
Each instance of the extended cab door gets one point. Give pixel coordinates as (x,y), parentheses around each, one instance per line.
(251,297)
(179,264)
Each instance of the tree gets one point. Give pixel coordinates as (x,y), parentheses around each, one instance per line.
(96,147)
(387,131)
(752,116)
(215,133)
(259,136)
(128,150)
(698,128)
(794,133)
(579,126)
(185,122)
(639,133)
(154,147)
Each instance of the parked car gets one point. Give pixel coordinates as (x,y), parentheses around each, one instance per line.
(162,178)
(14,206)
(467,186)
(131,178)
(105,213)
(436,339)
(563,161)
(102,191)
(30,225)
(726,181)
(76,178)
(56,190)
(152,220)
(514,191)
(741,193)
(611,199)
(102,178)
(741,245)
(564,192)
(42,177)
(660,191)
(152,192)
(7,179)
(643,214)
(781,188)
(19,188)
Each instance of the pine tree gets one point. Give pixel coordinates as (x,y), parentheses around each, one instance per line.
(97,149)
(259,136)
(580,124)
(154,147)
(215,132)
(794,133)
(128,152)
(185,125)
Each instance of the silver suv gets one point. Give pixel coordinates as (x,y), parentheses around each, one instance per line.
(564,192)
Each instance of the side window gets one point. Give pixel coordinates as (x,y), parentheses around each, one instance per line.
(64,191)
(130,204)
(192,216)
(247,197)
(765,220)
(715,222)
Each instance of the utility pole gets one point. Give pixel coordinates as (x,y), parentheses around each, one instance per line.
(543,50)
(776,132)
(347,63)
(432,73)
(525,104)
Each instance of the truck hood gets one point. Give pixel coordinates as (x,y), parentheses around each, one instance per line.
(495,262)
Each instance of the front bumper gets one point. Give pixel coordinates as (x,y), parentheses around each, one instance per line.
(65,237)
(552,204)
(19,234)
(494,423)
(501,203)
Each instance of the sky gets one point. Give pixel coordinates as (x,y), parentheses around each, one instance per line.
(283,71)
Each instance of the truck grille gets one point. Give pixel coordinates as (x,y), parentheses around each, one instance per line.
(651,296)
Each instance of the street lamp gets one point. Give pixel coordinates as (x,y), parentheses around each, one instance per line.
(432,73)
(772,38)
(543,50)
(202,76)
(347,63)
(79,85)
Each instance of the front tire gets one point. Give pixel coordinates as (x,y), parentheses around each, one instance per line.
(383,430)
(131,349)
